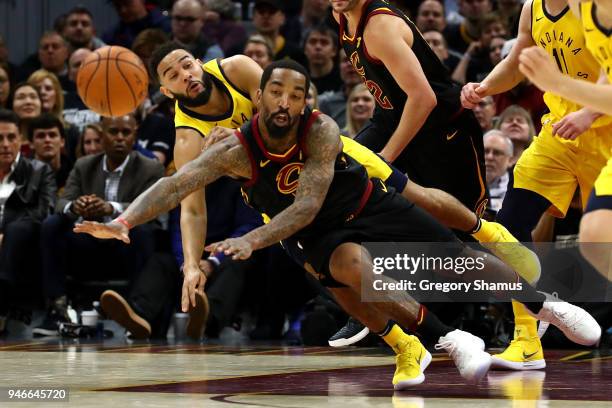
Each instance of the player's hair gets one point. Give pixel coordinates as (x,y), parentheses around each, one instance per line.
(8,116)
(159,54)
(284,64)
(45,121)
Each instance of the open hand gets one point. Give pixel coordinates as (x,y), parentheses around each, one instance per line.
(110,230)
(239,248)
(194,281)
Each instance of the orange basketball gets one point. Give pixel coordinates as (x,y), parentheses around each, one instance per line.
(112,81)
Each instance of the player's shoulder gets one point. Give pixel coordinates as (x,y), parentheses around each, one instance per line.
(323,130)
(236,63)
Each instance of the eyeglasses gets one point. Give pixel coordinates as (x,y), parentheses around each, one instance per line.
(123,131)
(185,19)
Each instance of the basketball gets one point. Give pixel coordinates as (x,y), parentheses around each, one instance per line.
(112,81)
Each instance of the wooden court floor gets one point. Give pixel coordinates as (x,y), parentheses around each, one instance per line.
(208,375)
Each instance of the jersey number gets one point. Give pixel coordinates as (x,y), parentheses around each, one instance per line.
(562,66)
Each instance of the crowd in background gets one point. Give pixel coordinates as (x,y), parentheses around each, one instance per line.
(67,164)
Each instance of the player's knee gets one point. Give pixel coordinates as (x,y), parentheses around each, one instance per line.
(345,263)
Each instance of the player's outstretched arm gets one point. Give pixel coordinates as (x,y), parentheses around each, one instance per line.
(168,192)
(323,145)
(541,69)
(505,75)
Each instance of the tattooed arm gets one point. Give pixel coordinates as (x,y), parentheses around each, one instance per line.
(225,158)
(323,145)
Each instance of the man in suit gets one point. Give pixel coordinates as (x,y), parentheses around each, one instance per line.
(27,195)
(99,187)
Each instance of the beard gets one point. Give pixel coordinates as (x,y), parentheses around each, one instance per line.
(278,132)
(200,99)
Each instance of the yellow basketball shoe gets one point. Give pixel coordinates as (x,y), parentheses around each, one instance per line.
(524,352)
(503,245)
(411,358)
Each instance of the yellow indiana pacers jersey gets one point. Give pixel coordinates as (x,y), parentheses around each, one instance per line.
(598,38)
(562,37)
(241,108)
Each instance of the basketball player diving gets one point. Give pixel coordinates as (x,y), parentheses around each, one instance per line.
(331,206)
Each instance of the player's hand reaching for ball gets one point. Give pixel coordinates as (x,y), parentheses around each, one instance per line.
(540,68)
(110,230)
(472,94)
(217,133)
(194,281)
(238,248)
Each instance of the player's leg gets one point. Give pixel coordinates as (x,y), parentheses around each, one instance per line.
(350,263)
(595,226)
(544,180)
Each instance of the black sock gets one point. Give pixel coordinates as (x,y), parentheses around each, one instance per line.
(429,327)
(387,329)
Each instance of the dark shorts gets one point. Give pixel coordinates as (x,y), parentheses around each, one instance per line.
(387,217)
(449,157)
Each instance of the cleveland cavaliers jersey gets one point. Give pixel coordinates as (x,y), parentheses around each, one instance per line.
(562,37)
(274,178)
(598,38)
(240,111)
(390,98)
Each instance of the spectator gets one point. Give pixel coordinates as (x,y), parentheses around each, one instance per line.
(27,195)
(52,56)
(187,24)
(495,50)
(313,15)
(312,99)
(359,110)
(431,16)
(221,25)
(52,97)
(485,113)
(50,90)
(515,122)
(46,133)
(27,104)
(134,17)
(76,113)
(99,187)
(510,11)
(5,85)
(333,104)
(90,141)
(321,49)
(146,42)
(79,30)
(268,17)
(498,150)
(437,42)
(476,63)
(460,35)
(226,278)
(259,49)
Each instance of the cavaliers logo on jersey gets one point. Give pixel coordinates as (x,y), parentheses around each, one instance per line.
(287,178)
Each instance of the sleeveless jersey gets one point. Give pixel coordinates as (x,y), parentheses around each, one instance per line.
(240,111)
(598,38)
(274,179)
(562,37)
(390,98)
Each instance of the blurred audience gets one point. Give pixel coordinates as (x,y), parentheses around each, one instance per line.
(27,104)
(79,30)
(498,150)
(5,85)
(321,49)
(187,24)
(133,18)
(27,195)
(437,42)
(99,187)
(431,16)
(359,110)
(485,113)
(515,122)
(460,35)
(47,135)
(312,99)
(220,24)
(90,141)
(333,104)
(259,49)
(52,55)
